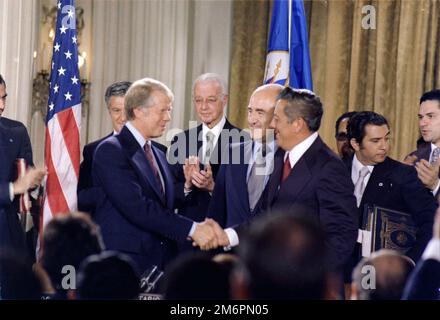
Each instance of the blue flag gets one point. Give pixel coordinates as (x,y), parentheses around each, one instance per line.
(288,58)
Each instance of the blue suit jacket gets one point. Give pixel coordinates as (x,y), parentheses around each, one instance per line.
(424,281)
(229,204)
(319,185)
(133,215)
(14,143)
(88,195)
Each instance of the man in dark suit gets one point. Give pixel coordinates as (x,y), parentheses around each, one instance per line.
(14,144)
(243,178)
(136,214)
(114,100)
(424,282)
(309,176)
(342,144)
(382,181)
(206,144)
(426,158)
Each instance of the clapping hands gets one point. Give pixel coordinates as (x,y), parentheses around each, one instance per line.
(202,179)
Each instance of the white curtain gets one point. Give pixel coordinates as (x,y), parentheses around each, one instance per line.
(18,28)
(173,41)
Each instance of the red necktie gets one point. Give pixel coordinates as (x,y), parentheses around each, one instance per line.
(286,168)
(150,158)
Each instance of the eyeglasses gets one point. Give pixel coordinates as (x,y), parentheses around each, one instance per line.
(341,136)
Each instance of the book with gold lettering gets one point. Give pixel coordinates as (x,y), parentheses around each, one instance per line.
(390,229)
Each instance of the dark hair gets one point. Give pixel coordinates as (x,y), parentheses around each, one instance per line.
(346,115)
(117,89)
(68,240)
(357,123)
(283,257)
(302,103)
(2,81)
(108,275)
(195,276)
(431,95)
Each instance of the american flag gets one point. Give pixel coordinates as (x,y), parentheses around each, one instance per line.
(63,122)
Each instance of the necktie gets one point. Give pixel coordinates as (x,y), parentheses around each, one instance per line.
(286,168)
(256,178)
(360,185)
(209,146)
(149,154)
(435,155)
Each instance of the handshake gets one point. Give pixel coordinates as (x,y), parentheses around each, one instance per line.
(209,235)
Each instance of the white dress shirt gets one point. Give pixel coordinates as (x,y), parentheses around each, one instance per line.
(298,151)
(230,232)
(356,168)
(216,131)
(433,147)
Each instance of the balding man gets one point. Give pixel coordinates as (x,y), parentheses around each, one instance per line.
(382,276)
(241,181)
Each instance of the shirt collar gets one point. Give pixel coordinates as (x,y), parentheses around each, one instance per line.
(215,130)
(357,166)
(298,151)
(137,135)
(433,147)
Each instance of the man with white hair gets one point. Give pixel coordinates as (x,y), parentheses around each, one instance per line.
(196,154)
(136,214)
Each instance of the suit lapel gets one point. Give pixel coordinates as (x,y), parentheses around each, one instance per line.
(139,160)
(275,178)
(166,175)
(376,181)
(297,180)
(241,173)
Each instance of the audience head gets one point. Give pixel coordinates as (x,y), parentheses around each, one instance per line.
(344,150)
(107,276)
(429,116)
(260,109)
(382,276)
(148,105)
(282,257)
(196,277)
(17,280)
(369,135)
(67,241)
(210,96)
(297,115)
(114,100)
(3,95)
